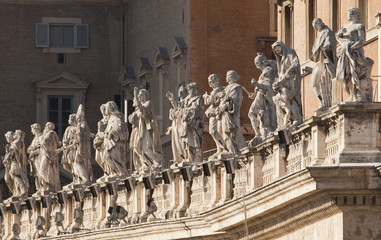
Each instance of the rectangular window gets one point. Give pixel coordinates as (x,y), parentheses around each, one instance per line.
(61,36)
(363,6)
(311,30)
(335,13)
(59,109)
(288,26)
(52,35)
(273,19)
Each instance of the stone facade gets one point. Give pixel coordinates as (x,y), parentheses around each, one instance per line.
(274,191)
(90,75)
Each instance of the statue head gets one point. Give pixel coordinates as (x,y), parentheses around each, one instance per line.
(192,88)
(182,91)
(72,119)
(111,108)
(103,110)
(353,14)
(318,24)
(80,116)
(231,76)
(213,80)
(278,48)
(143,95)
(35,128)
(49,126)
(19,135)
(9,136)
(259,60)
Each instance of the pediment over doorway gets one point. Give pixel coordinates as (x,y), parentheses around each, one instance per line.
(61,79)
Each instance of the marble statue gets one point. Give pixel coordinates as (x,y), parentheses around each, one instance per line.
(324,54)
(99,138)
(229,104)
(49,171)
(215,128)
(353,68)
(76,148)
(145,142)
(82,169)
(68,144)
(287,86)
(193,125)
(176,116)
(34,151)
(110,141)
(262,111)
(15,164)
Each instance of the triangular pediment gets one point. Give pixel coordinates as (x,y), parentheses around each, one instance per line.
(61,79)
(178,47)
(143,67)
(161,57)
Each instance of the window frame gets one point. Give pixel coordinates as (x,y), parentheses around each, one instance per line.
(59,126)
(53,21)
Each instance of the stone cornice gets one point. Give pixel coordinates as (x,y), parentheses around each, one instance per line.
(300,188)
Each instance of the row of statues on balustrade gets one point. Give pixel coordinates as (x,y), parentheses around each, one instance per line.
(277,106)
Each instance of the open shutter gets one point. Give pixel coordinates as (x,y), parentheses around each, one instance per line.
(81,36)
(42,34)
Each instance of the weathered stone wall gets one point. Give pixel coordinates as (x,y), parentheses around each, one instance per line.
(22,62)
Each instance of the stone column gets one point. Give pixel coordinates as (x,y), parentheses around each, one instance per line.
(318,144)
(137,202)
(378,17)
(226,186)
(256,167)
(184,188)
(279,155)
(7,221)
(102,208)
(174,195)
(215,180)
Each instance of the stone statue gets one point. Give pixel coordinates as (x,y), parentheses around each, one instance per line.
(145,138)
(82,169)
(324,54)
(215,127)
(99,138)
(15,164)
(193,125)
(69,143)
(288,98)
(110,141)
(353,68)
(76,148)
(229,102)
(49,170)
(175,114)
(262,111)
(34,151)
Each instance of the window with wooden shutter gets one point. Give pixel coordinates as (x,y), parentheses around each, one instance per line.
(81,36)
(42,34)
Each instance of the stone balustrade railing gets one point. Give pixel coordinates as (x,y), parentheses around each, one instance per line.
(347,133)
